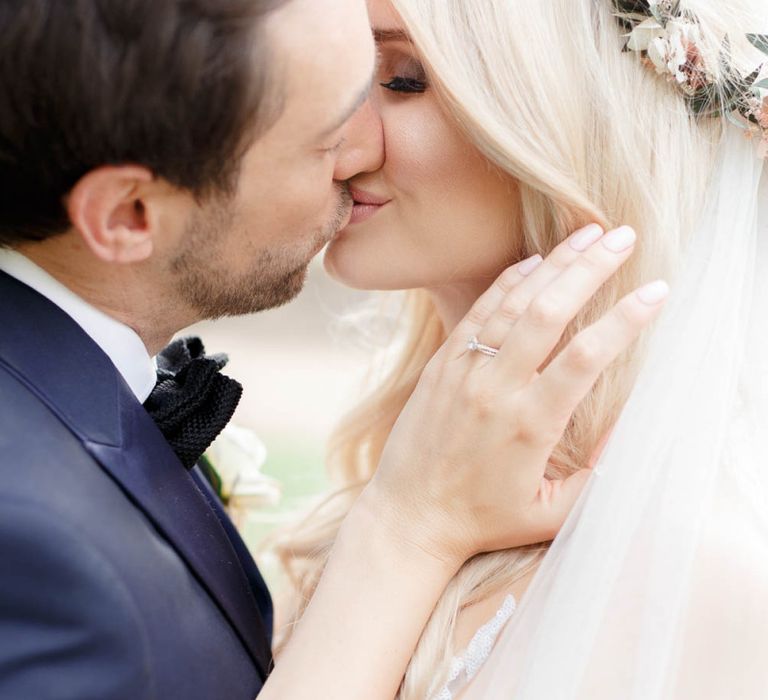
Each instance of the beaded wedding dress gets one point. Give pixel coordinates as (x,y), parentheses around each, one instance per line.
(467,665)
(657,586)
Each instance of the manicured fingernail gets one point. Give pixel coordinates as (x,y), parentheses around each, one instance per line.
(586,237)
(653,293)
(526,267)
(620,240)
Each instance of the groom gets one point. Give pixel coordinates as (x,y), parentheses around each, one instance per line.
(163,162)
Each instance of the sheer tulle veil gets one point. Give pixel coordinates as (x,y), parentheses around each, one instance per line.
(657,587)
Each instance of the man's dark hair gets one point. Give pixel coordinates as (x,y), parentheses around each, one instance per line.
(179,86)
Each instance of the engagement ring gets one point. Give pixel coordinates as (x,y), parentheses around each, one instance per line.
(474,345)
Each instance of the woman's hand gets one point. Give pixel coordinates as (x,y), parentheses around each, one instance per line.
(463,471)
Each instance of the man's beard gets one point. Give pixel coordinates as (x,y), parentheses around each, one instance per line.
(205,282)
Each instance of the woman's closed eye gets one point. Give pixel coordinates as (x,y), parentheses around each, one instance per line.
(400,83)
(402,73)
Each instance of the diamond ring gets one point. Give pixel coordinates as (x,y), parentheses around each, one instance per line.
(474,345)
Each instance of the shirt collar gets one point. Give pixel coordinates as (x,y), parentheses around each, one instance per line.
(119,342)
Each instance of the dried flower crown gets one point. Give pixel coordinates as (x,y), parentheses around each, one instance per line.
(669,40)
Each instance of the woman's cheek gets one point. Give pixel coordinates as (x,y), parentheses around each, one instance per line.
(444,188)
(422,151)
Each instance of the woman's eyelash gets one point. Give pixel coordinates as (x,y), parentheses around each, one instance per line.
(406,85)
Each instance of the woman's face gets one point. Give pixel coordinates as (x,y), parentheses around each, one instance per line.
(437,213)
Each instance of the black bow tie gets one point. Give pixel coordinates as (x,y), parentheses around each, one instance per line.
(192,402)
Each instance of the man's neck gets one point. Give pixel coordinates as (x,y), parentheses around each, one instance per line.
(119,291)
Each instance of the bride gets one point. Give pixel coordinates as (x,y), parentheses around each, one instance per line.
(507,125)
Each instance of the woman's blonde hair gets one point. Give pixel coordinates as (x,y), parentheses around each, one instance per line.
(544,91)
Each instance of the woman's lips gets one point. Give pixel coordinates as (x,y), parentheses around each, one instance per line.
(363,212)
(366,205)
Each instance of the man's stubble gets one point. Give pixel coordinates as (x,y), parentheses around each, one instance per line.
(205,281)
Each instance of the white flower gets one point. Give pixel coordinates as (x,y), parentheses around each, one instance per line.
(670,52)
(643,34)
(238,456)
(661,8)
(678,54)
(658,50)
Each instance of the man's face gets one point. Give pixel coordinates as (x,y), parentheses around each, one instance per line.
(251,251)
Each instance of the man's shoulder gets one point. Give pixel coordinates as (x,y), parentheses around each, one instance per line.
(45,464)
(86,566)
(33,439)
(62,568)
(113,604)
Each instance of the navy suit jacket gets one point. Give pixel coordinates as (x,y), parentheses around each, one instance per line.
(121,578)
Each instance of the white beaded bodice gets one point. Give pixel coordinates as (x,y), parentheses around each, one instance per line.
(465,667)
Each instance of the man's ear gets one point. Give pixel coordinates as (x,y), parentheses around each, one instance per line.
(108,208)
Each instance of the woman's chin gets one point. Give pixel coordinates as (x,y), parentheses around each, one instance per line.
(342,268)
(366,273)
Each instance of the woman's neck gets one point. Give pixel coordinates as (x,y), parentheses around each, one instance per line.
(453,301)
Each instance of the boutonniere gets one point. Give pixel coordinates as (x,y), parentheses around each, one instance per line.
(233,465)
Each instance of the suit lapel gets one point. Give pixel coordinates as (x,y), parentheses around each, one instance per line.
(256,582)
(151,474)
(60,363)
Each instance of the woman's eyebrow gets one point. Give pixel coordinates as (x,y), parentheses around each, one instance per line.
(383,35)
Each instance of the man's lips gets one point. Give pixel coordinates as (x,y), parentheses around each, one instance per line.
(366,205)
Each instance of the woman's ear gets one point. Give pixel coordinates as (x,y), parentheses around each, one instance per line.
(108,208)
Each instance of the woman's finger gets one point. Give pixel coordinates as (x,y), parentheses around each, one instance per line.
(570,376)
(517,301)
(540,328)
(486,306)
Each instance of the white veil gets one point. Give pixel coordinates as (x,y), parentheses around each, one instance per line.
(657,587)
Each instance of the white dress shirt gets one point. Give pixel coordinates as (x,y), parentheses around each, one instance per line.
(119,342)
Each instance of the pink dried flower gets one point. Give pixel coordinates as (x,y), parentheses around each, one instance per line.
(762,115)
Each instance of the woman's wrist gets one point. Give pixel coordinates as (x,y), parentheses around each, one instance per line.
(403,532)
(377,592)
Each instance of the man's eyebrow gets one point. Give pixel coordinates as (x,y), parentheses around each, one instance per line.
(359,102)
(384,35)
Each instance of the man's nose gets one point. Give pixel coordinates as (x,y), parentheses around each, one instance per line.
(363,149)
